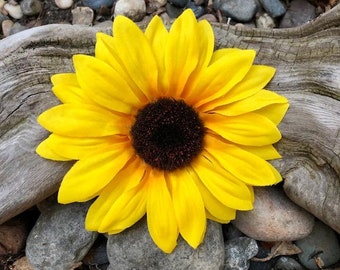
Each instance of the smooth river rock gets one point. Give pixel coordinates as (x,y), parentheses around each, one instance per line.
(274,217)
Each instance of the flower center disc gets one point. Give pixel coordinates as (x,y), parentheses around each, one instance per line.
(168,134)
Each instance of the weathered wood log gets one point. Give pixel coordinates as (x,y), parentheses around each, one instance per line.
(307,59)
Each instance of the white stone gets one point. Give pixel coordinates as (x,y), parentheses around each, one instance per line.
(133,9)
(64,4)
(6,27)
(14,11)
(82,15)
(264,21)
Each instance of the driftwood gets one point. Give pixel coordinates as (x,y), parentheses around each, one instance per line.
(307,59)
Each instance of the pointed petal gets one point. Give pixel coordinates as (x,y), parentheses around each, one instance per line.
(78,148)
(181,52)
(161,217)
(45,151)
(91,174)
(136,55)
(127,178)
(248,129)
(274,112)
(246,166)
(65,78)
(213,218)
(221,75)
(266,152)
(224,186)
(71,94)
(82,120)
(189,207)
(211,203)
(104,85)
(256,79)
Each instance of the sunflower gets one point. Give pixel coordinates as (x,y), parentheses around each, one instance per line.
(164,126)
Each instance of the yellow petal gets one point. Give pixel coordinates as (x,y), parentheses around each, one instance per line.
(224,186)
(260,100)
(213,218)
(182,52)
(65,78)
(126,210)
(91,174)
(161,217)
(45,151)
(104,85)
(247,129)
(127,178)
(189,207)
(266,152)
(76,120)
(211,203)
(77,148)
(136,55)
(274,112)
(70,94)
(256,79)
(246,166)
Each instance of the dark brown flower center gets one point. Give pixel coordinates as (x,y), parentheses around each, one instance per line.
(167,134)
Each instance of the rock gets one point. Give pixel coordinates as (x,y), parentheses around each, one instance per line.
(6,26)
(16,28)
(154,5)
(134,249)
(179,3)
(173,11)
(59,240)
(298,13)
(133,9)
(264,21)
(315,188)
(64,4)
(198,10)
(209,17)
(82,15)
(97,4)
(97,254)
(322,243)
(287,263)
(14,11)
(3,17)
(22,264)
(31,7)
(13,234)
(239,10)
(275,8)
(238,251)
(274,217)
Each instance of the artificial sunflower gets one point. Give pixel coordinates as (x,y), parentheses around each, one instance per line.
(161,124)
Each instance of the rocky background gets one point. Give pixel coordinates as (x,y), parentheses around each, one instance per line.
(277,234)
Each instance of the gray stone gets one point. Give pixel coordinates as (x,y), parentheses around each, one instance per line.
(31,7)
(134,249)
(239,10)
(238,251)
(298,13)
(275,8)
(274,217)
(322,243)
(173,11)
(287,263)
(82,15)
(198,10)
(16,28)
(133,9)
(179,3)
(97,4)
(58,240)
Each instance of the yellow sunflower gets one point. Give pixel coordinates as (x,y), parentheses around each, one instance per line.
(161,124)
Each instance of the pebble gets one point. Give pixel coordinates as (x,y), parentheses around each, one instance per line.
(133,9)
(134,249)
(58,239)
(16,28)
(6,26)
(31,7)
(22,264)
(264,21)
(275,8)
(209,17)
(287,263)
(238,252)
(274,217)
(179,3)
(14,10)
(82,15)
(322,243)
(97,4)
(64,4)
(198,10)
(173,11)
(97,254)
(239,10)
(298,13)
